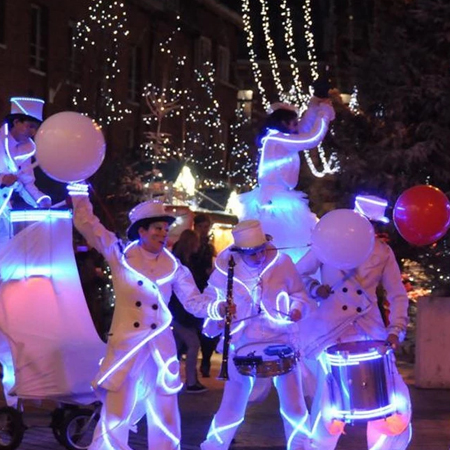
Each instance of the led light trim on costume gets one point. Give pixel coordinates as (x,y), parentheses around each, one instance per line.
(163,327)
(352,360)
(78,189)
(159,281)
(164,370)
(13,166)
(379,444)
(298,426)
(237,280)
(368,414)
(157,421)
(5,202)
(106,435)
(213,308)
(282,304)
(215,431)
(39,215)
(17,100)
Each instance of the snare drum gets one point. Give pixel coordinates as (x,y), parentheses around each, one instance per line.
(362,380)
(263,360)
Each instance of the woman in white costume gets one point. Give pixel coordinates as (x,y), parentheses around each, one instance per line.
(140,373)
(275,201)
(348,312)
(270,299)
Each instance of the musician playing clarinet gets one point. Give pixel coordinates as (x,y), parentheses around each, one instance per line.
(348,317)
(269,300)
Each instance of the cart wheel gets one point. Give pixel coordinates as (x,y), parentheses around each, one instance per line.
(12,428)
(77,428)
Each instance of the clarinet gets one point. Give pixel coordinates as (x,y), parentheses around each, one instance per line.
(223,375)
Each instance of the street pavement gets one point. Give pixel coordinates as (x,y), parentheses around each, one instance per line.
(262,428)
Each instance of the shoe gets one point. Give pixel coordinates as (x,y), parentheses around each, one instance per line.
(196,388)
(205,373)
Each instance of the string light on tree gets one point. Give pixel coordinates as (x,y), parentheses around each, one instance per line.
(242,170)
(97,40)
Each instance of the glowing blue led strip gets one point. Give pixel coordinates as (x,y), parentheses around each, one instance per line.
(215,431)
(15,100)
(270,136)
(39,215)
(135,349)
(352,360)
(164,370)
(161,426)
(367,414)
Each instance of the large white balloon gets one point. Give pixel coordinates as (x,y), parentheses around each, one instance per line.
(343,238)
(70,147)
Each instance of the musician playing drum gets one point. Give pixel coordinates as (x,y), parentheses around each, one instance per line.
(348,313)
(269,299)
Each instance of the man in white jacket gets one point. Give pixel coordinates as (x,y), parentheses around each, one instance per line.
(16,175)
(140,372)
(348,312)
(270,299)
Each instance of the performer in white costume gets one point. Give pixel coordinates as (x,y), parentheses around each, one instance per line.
(16,175)
(274,201)
(348,312)
(140,373)
(269,298)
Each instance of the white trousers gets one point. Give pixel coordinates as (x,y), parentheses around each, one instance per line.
(123,408)
(378,435)
(234,402)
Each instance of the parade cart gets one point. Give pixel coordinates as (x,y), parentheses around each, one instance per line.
(55,348)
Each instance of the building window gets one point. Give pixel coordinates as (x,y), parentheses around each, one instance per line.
(245,98)
(134,74)
(202,51)
(223,64)
(39,38)
(74,53)
(2,21)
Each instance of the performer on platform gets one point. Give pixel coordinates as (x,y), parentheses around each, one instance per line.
(16,175)
(275,201)
(140,373)
(348,312)
(270,299)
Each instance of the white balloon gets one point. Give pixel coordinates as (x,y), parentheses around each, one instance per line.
(70,147)
(343,238)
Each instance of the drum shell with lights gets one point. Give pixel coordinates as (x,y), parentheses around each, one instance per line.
(265,360)
(362,379)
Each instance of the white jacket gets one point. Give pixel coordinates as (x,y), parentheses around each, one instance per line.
(353,302)
(141,313)
(273,294)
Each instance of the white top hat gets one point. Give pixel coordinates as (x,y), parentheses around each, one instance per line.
(26,105)
(372,207)
(281,105)
(151,209)
(248,236)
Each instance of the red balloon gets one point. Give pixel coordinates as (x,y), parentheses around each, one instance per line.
(422,215)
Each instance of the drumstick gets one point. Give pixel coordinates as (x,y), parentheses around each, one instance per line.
(246,318)
(281,312)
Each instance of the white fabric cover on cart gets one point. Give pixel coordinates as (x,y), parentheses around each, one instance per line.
(56,349)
